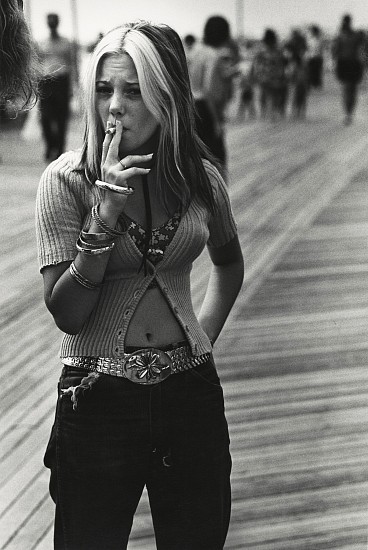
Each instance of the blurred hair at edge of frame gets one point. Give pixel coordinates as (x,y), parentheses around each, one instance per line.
(19,67)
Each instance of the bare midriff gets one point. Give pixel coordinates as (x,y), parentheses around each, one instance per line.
(153,323)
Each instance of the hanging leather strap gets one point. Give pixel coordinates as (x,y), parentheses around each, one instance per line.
(148,211)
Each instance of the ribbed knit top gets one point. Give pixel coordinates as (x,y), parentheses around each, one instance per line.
(64,202)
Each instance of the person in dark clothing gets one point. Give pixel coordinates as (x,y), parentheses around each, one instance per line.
(56,56)
(347,52)
(298,69)
(315,57)
(212,67)
(269,73)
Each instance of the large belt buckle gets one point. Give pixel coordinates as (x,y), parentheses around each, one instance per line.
(147,366)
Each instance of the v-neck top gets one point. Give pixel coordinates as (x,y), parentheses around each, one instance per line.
(160,237)
(63,207)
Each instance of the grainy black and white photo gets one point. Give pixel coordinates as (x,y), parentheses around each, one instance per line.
(184,259)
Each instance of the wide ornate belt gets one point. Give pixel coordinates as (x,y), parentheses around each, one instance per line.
(143,366)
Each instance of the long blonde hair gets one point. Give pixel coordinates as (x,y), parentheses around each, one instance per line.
(158,55)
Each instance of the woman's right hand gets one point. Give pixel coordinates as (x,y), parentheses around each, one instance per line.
(118,171)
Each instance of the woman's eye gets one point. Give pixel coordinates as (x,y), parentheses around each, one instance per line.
(133,92)
(103,90)
(128,92)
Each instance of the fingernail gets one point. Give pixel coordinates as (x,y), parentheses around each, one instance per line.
(150,155)
(108,124)
(147,169)
(118,122)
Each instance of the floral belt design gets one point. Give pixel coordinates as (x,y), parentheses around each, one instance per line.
(143,366)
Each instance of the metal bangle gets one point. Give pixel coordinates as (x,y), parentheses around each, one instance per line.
(93,251)
(115,188)
(95,237)
(91,285)
(91,246)
(94,244)
(102,225)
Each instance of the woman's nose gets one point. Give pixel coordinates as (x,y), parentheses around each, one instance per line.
(117,104)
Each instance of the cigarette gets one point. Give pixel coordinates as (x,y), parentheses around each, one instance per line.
(111,130)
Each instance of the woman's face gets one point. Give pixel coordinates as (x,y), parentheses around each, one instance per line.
(118,97)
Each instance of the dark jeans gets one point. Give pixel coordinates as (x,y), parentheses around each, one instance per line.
(171,437)
(54,108)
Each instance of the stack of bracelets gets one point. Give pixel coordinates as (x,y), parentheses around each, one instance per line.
(93,244)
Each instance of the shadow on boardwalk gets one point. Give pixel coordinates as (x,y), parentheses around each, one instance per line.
(292,356)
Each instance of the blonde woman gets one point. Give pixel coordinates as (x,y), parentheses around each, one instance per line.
(119,224)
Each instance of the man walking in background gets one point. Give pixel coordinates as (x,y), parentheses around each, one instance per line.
(58,61)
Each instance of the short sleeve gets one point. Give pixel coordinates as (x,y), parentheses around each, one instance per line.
(222,225)
(60,211)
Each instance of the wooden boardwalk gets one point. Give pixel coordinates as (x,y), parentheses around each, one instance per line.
(292,356)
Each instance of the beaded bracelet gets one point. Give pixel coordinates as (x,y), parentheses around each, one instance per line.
(91,285)
(102,225)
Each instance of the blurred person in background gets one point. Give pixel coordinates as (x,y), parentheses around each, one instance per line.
(57,57)
(19,69)
(269,73)
(347,51)
(246,108)
(296,52)
(189,43)
(119,224)
(315,57)
(212,69)
(297,45)
(299,80)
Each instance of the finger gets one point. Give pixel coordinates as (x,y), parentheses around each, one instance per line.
(105,147)
(113,150)
(106,143)
(131,160)
(123,176)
